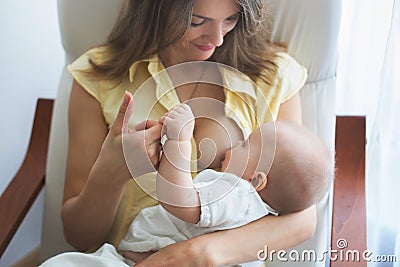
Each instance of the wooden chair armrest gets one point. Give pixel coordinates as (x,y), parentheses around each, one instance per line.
(18,197)
(349,210)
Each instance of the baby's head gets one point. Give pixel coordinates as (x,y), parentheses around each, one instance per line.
(251,159)
(288,165)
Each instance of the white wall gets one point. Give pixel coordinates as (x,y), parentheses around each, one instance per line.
(31,59)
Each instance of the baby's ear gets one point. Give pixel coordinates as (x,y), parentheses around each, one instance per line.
(259,180)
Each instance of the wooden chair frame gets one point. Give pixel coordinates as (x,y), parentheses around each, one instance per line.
(349,211)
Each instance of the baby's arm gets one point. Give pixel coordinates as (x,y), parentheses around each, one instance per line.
(175,189)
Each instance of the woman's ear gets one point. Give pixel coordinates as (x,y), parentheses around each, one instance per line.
(259,180)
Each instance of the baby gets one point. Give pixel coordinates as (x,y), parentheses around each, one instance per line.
(271,172)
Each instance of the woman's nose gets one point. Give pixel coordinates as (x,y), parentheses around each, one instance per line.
(216,34)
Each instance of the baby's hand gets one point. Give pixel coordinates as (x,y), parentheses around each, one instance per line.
(178,123)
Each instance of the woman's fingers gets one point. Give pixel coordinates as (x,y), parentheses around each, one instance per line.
(153,133)
(162,119)
(144,125)
(141,126)
(120,124)
(152,139)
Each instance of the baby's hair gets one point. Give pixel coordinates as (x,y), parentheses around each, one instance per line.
(301,172)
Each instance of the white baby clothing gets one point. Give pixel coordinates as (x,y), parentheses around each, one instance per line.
(227,201)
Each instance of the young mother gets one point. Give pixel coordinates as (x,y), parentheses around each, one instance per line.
(101,198)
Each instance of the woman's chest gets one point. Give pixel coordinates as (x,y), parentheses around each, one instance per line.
(214,132)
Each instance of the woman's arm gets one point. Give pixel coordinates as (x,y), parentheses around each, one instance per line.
(291,109)
(274,233)
(87,217)
(96,173)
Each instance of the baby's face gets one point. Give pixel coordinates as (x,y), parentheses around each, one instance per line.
(242,159)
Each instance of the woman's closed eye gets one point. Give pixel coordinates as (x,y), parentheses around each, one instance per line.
(233,19)
(196,21)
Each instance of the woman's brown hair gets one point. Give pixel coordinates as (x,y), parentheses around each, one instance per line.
(248,46)
(146,27)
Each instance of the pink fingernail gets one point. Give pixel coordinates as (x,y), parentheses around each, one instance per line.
(126,97)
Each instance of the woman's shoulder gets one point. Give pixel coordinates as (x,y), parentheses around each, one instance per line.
(288,79)
(96,54)
(286,63)
(80,69)
(288,70)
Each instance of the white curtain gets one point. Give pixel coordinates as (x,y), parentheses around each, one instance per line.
(369,84)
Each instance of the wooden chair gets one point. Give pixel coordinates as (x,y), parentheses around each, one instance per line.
(309,27)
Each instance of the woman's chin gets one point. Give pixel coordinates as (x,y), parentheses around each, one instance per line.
(203,56)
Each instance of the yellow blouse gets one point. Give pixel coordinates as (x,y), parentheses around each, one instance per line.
(248,103)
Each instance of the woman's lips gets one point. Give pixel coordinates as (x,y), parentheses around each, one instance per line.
(205,47)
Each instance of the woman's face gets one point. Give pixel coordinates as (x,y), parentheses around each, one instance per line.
(211,21)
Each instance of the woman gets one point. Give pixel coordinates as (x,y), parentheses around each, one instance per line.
(100,198)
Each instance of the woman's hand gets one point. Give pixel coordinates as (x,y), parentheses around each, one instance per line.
(152,134)
(140,148)
(190,253)
(100,164)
